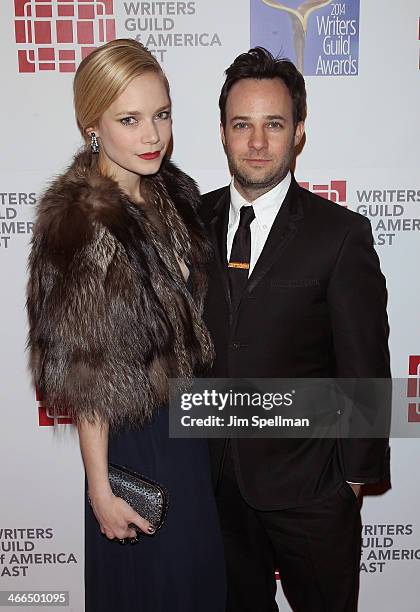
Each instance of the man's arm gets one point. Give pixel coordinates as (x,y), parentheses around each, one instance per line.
(357,299)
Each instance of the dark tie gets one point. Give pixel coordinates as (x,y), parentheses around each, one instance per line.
(240,255)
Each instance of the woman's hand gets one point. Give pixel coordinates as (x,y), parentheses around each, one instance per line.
(114,515)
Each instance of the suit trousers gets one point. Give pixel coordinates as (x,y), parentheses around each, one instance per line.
(316,550)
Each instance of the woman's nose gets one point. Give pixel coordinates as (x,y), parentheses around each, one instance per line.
(150,134)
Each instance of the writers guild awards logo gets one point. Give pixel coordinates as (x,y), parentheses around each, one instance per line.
(320,36)
(336,191)
(55,35)
(299,17)
(48,417)
(413,389)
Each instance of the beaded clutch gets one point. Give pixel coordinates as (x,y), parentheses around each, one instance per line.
(146,497)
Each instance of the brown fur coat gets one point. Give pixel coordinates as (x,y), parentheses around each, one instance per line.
(110,317)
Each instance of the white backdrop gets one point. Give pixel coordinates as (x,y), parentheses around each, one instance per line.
(361,61)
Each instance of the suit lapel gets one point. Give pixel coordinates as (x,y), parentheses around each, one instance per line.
(282,232)
(219,226)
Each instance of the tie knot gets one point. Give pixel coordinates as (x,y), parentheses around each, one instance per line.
(247,216)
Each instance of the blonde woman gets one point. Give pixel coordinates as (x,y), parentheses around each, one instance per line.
(117,279)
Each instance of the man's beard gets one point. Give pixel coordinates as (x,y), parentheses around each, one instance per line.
(266,182)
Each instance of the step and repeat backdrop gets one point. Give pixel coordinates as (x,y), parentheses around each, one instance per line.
(361,60)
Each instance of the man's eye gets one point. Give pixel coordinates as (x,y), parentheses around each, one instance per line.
(128,120)
(275,124)
(240,125)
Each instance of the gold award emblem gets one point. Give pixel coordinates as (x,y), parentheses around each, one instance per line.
(299,18)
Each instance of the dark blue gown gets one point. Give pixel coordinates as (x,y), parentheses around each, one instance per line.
(179,569)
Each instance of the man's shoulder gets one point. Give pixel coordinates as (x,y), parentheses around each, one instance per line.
(212,197)
(327,211)
(210,200)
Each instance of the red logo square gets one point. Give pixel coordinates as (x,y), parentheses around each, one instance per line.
(414,413)
(86,12)
(85,33)
(48,418)
(62,25)
(46,53)
(43,11)
(65,11)
(336,191)
(413,389)
(42,32)
(64,31)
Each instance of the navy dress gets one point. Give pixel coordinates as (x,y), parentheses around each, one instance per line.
(179,569)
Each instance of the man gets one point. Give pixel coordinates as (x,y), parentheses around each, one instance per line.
(295,291)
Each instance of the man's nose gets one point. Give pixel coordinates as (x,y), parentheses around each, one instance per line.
(258,139)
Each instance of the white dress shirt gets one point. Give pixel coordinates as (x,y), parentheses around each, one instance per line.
(266,208)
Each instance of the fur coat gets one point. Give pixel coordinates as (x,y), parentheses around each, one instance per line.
(110,316)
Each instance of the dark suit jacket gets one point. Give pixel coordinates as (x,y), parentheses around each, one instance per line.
(314,306)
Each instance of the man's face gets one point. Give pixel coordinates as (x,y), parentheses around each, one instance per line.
(259,136)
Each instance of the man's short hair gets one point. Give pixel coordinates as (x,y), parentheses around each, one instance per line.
(258,63)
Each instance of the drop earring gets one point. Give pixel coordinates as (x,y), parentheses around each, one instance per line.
(94,144)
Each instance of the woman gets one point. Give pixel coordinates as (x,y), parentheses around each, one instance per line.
(114,300)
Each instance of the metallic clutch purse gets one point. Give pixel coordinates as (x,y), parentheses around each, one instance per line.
(146,497)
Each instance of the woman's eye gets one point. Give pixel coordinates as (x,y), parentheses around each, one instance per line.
(164,115)
(128,120)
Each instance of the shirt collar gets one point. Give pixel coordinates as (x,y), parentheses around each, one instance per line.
(266,206)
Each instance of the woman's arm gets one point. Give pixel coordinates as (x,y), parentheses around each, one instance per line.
(112,513)
(70,327)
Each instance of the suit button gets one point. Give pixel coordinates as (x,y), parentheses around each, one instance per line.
(236,346)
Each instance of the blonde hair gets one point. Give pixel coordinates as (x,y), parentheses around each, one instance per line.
(104,74)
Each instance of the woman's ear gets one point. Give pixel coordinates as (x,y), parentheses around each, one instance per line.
(89,130)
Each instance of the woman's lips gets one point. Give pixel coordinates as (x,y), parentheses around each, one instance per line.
(148,156)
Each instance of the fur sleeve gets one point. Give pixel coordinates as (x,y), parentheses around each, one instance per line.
(76,312)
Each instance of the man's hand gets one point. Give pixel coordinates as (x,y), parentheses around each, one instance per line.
(356,488)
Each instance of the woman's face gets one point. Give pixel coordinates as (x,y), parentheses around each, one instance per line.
(135,131)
